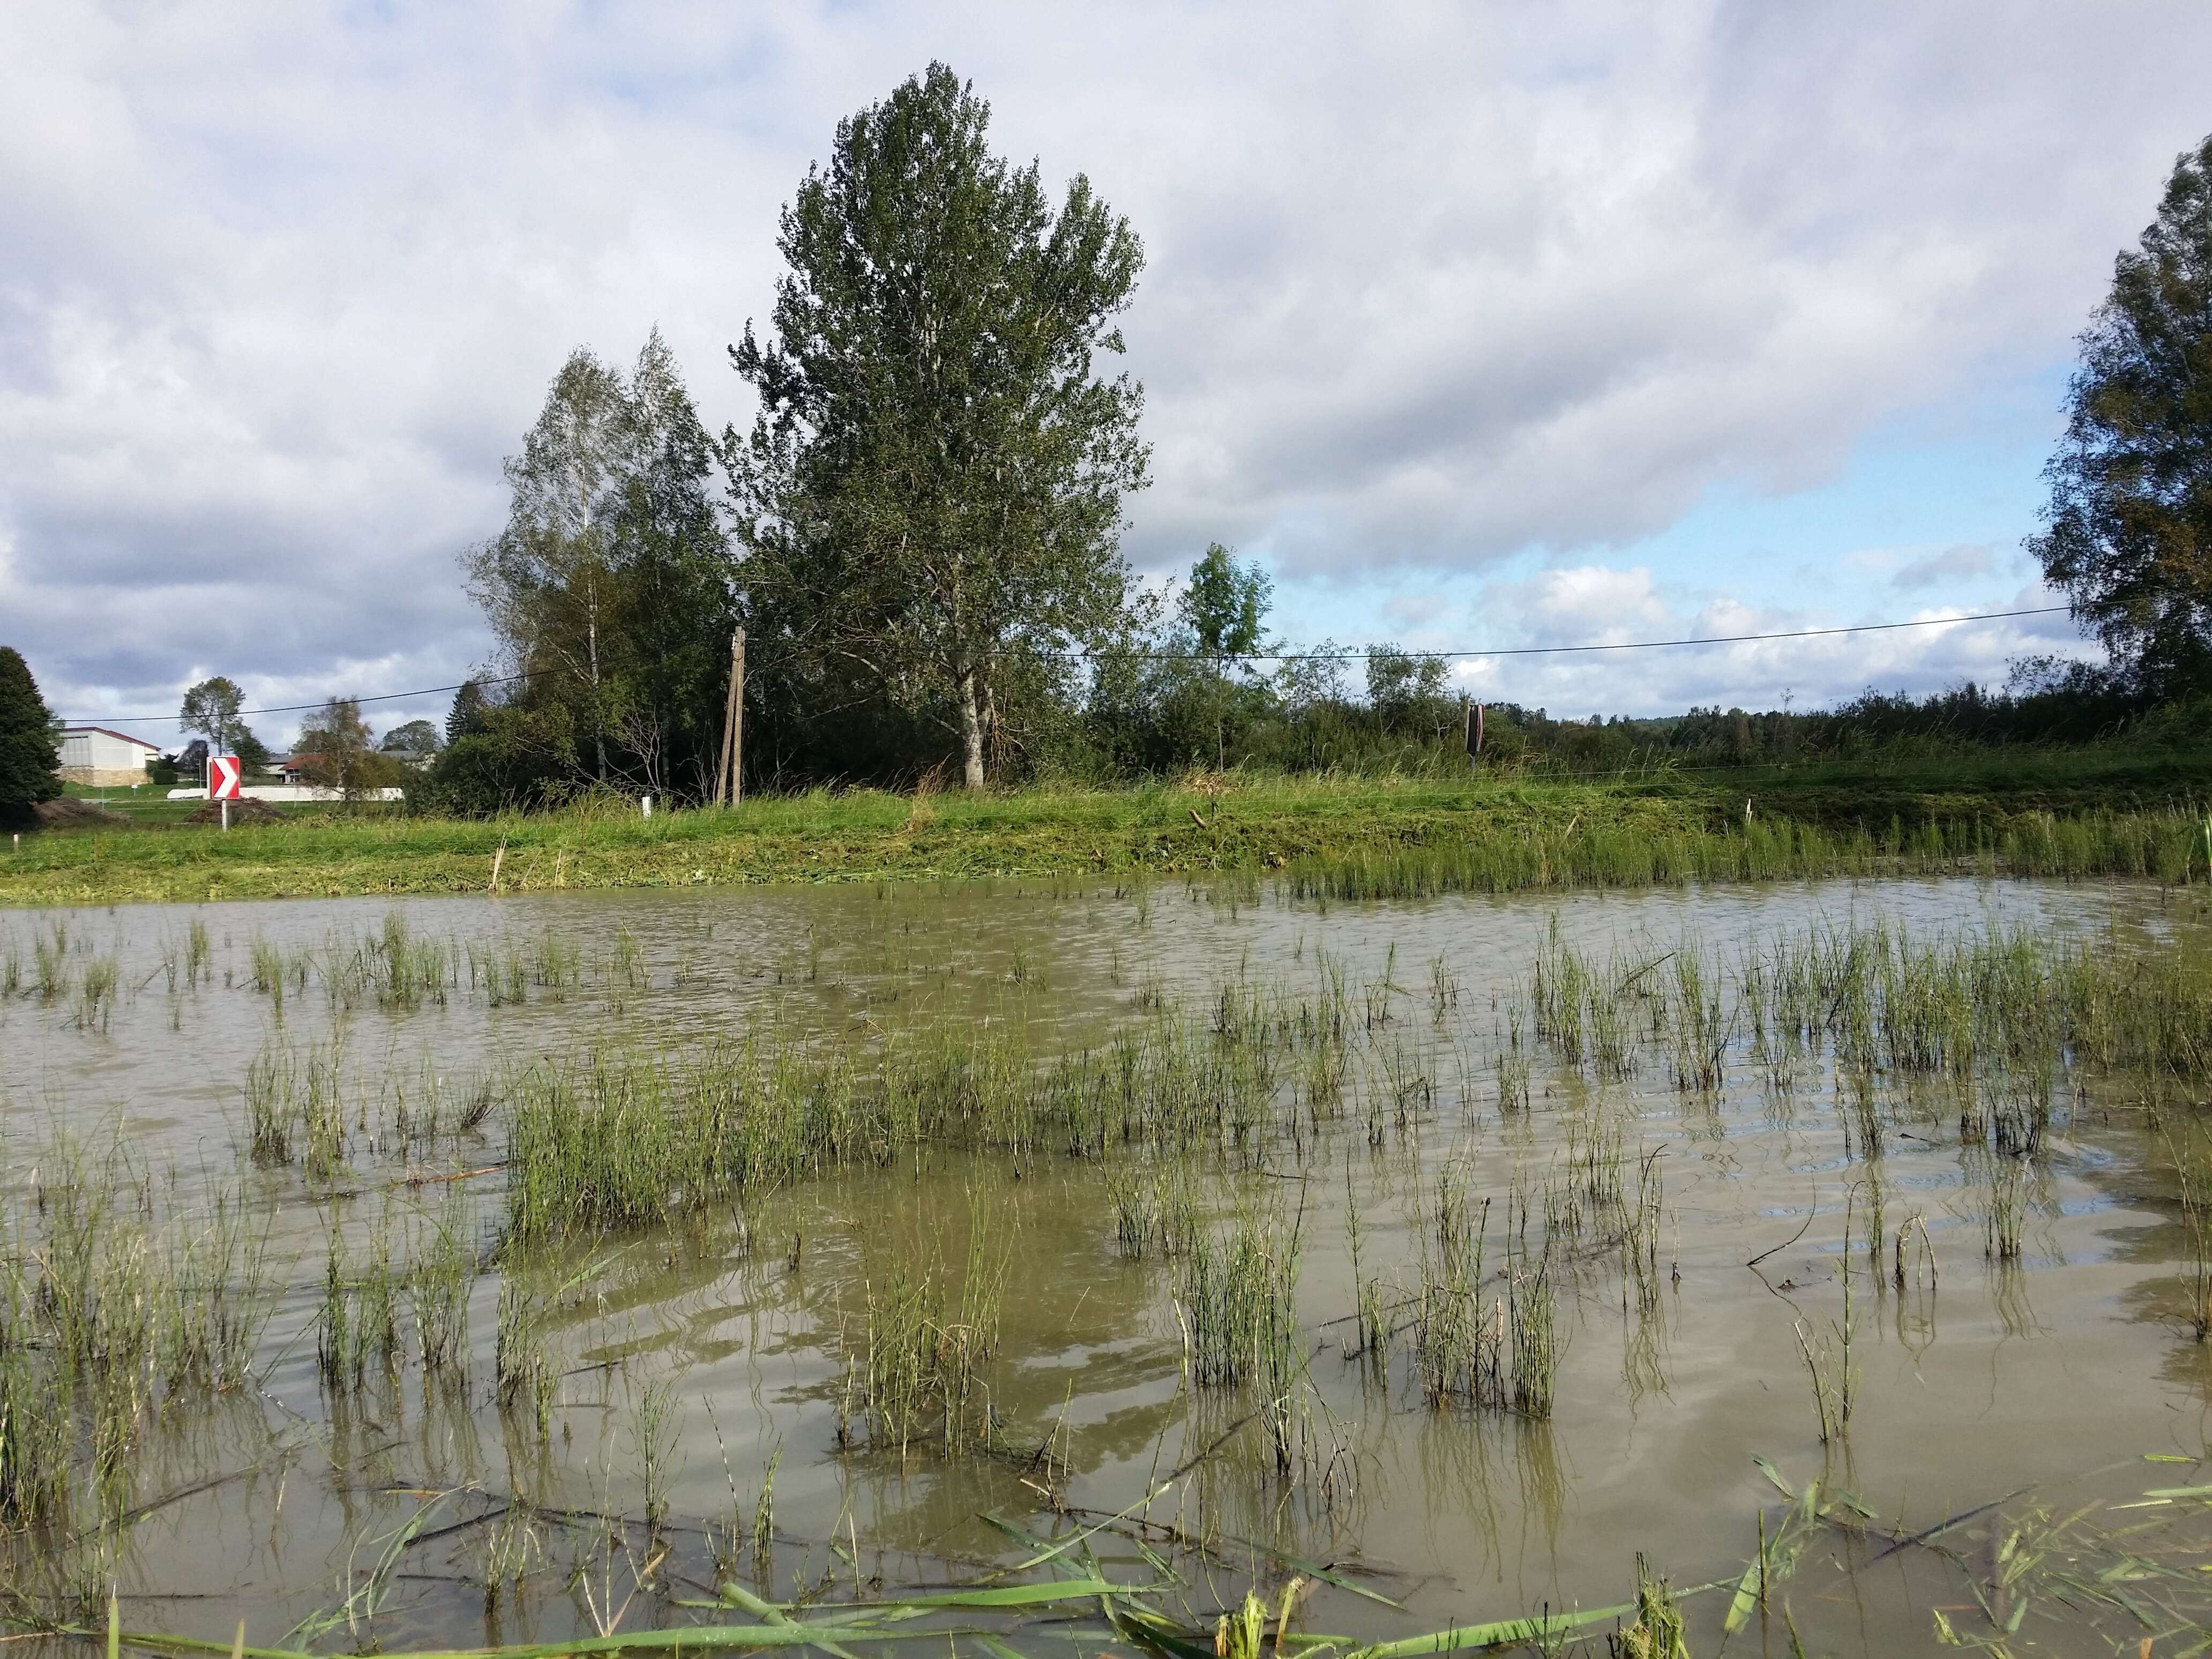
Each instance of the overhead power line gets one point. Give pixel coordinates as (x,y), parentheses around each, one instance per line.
(306,707)
(1612,644)
(1279,656)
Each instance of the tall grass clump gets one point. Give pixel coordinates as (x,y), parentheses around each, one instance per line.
(357,1329)
(1238,1303)
(1458,1345)
(295,1104)
(109,1315)
(1534,1317)
(1625,850)
(927,1335)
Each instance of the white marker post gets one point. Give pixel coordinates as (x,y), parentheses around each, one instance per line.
(225,772)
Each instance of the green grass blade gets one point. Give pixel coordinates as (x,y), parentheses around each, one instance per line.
(1745,1598)
(1530,1627)
(1766,1467)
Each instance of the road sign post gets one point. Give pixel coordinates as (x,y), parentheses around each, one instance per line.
(225,773)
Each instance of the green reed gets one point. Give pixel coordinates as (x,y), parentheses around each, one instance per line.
(1458,1345)
(919,1374)
(110,1315)
(1532,1315)
(2159,844)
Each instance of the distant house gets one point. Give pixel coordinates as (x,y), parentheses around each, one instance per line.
(103,759)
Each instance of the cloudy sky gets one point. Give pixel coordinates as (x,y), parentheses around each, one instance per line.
(1482,325)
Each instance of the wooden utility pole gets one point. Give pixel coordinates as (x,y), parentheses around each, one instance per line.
(729,783)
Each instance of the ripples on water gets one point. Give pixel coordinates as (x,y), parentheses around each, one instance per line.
(682,1366)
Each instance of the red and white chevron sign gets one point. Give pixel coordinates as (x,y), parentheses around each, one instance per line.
(224,773)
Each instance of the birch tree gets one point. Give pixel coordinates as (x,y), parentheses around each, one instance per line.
(609,588)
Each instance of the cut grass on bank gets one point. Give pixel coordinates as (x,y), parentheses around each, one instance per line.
(1348,838)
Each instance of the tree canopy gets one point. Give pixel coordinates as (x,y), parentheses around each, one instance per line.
(30,760)
(337,752)
(930,497)
(2129,533)
(413,742)
(610,590)
(1226,602)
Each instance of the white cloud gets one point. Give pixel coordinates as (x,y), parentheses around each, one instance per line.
(1429,284)
(1803,672)
(1952,564)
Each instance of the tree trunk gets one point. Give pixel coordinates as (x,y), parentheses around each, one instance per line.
(599,727)
(971,730)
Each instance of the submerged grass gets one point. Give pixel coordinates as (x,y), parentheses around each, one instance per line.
(1197,1129)
(928,1330)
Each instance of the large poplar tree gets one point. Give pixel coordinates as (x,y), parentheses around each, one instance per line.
(2129,535)
(932,489)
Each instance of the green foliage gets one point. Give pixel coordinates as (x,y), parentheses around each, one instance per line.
(337,749)
(1408,693)
(2129,535)
(249,748)
(30,759)
(610,588)
(1226,602)
(211,708)
(1397,836)
(414,743)
(467,715)
(505,758)
(933,486)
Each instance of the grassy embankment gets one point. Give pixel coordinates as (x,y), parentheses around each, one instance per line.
(2024,814)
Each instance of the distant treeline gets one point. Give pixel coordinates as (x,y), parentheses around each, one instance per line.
(1170,710)
(919,535)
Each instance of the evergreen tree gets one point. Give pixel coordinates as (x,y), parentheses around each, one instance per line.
(2129,536)
(30,759)
(467,715)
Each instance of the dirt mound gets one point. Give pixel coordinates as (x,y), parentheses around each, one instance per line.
(241,811)
(70,813)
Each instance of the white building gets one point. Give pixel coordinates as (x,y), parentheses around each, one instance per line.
(93,754)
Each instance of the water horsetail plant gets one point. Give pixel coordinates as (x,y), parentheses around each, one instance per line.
(1369,1320)
(358,1325)
(523,1373)
(1829,1362)
(655,1422)
(2005,1218)
(1237,1302)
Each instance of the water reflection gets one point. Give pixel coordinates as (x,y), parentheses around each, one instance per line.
(2035,1208)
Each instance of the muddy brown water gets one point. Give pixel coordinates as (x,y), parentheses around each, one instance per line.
(2070,1377)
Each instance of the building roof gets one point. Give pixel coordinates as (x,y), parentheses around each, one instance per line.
(120,737)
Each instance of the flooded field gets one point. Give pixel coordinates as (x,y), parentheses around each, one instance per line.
(1059,1268)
